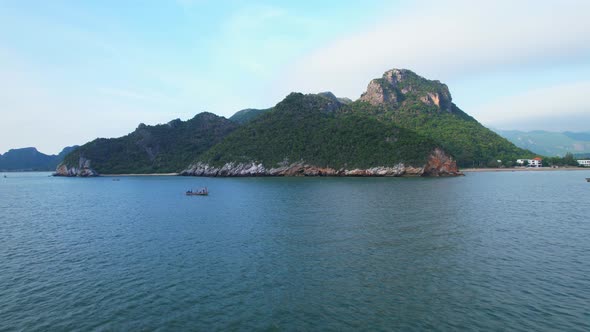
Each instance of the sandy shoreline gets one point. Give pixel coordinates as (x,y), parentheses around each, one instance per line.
(524,169)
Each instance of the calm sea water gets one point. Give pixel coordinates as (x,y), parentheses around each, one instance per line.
(489,251)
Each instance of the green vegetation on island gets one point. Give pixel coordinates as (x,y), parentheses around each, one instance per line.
(568,160)
(426,106)
(164,148)
(317,129)
(30,159)
(401,118)
(247,115)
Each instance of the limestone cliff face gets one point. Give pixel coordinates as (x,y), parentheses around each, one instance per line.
(378,94)
(83,169)
(398,87)
(439,164)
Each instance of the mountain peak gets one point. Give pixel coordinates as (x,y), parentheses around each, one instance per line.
(27,159)
(305,103)
(330,95)
(247,115)
(396,75)
(25,150)
(399,87)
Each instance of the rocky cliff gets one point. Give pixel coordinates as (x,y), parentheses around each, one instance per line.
(84,169)
(426,107)
(438,164)
(403,125)
(398,87)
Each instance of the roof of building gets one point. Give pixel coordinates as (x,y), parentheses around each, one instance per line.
(538,158)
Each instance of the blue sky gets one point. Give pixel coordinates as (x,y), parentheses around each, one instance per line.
(71,71)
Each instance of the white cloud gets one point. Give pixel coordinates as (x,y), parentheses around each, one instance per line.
(558,108)
(448,41)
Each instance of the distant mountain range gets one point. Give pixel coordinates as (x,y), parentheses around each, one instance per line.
(30,159)
(548,143)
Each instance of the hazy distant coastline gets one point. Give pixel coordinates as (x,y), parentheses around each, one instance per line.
(525,169)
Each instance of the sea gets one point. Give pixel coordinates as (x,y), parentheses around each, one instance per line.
(501,251)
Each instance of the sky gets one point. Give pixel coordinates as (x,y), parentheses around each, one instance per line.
(72,71)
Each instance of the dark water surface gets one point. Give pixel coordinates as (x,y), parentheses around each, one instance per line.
(488,251)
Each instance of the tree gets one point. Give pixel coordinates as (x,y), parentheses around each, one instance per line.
(493,164)
(569,160)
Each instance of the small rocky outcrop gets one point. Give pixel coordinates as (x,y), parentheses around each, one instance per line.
(438,164)
(83,169)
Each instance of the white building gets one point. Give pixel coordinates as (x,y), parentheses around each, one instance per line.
(535,162)
(585,163)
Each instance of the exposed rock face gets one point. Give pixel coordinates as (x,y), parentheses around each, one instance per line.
(83,169)
(396,85)
(378,95)
(439,164)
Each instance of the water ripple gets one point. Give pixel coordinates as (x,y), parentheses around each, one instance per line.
(490,251)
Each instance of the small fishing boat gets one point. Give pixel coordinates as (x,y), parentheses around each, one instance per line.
(587,179)
(200,192)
